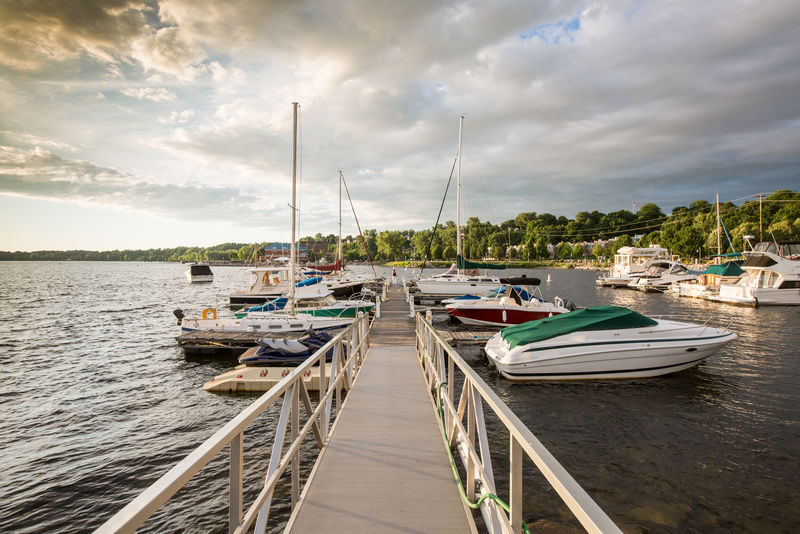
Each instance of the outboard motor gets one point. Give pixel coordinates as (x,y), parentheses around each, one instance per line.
(568,304)
(179,314)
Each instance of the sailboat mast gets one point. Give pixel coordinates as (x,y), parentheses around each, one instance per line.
(719,237)
(293,255)
(458,193)
(339,257)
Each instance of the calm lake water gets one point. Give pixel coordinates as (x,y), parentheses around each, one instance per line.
(98,402)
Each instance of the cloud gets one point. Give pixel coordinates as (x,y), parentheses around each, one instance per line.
(156,94)
(569,106)
(38,32)
(166,51)
(178,117)
(41,174)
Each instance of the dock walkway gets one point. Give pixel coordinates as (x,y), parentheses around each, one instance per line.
(385,468)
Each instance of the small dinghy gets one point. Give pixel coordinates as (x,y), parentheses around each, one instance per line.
(283,351)
(600,343)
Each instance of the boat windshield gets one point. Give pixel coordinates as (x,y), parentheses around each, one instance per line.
(789,250)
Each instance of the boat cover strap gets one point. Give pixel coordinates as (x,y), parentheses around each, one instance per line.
(597,318)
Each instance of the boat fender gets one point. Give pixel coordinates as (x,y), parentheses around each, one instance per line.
(210,311)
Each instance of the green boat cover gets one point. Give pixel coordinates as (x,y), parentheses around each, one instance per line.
(466,264)
(597,318)
(730,268)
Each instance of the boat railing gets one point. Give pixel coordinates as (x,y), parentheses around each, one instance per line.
(443,368)
(349,351)
(713,321)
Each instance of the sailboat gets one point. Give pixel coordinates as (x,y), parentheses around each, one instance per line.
(456,281)
(278,321)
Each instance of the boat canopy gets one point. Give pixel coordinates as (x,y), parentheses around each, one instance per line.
(466,264)
(597,318)
(730,268)
(197,270)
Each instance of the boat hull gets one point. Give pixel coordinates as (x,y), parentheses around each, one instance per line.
(498,315)
(436,287)
(273,325)
(585,357)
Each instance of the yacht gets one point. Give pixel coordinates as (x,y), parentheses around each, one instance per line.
(629,262)
(771,276)
(659,275)
(602,343)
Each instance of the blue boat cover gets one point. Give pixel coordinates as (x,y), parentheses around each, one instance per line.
(309,281)
(272,305)
(597,318)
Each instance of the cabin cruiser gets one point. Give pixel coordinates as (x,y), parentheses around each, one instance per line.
(601,343)
(630,261)
(660,274)
(772,276)
(507,305)
(199,272)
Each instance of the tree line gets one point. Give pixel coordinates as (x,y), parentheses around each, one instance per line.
(689,231)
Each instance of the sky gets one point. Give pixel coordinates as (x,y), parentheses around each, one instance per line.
(155,124)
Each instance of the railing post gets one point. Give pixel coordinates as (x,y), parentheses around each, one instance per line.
(428,320)
(294,434)
(235,482)
(515,485)
(470,438)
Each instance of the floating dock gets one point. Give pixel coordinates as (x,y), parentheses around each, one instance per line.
(385,468)
(213,343)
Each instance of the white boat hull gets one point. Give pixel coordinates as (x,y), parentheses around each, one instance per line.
(642,353)
(277,324)
(455,288)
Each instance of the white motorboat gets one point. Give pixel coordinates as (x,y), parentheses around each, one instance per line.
(602,343)
(511,304)
(772,276)
(661,274)
(199,272)
(629,262)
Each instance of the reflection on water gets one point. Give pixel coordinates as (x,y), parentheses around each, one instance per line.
(98,402)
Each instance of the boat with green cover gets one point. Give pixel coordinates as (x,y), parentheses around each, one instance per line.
(601,343)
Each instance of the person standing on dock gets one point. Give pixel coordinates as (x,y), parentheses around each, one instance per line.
(394,277)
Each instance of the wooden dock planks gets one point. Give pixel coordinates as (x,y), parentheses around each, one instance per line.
(385,468)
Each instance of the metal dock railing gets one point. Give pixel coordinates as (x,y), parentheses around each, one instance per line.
(386,425)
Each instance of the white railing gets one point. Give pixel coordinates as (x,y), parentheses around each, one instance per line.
(354,342)
(439,362)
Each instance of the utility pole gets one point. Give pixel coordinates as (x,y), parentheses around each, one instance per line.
(760,219)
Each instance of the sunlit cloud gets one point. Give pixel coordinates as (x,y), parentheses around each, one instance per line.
(156,94)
